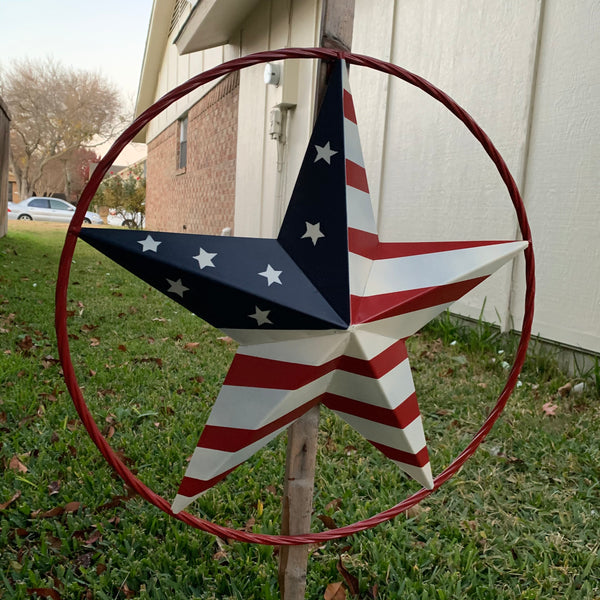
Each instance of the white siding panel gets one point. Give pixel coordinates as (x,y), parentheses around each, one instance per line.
(433,180)
(563,176)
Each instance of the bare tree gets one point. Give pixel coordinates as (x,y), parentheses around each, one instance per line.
(54,110)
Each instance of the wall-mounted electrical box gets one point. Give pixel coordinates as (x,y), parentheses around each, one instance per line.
(283,76)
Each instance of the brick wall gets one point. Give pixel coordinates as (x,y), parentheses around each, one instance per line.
(201,197)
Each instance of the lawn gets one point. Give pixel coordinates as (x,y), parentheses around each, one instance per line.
(520,520)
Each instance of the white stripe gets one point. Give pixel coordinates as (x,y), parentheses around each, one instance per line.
(388,391)
(422,475)
(308,351)
(406,325)
(252,408)
(438,268)
(366,345)
(360,210)
(360,269)
(207,463)
(352,147)
(410,439)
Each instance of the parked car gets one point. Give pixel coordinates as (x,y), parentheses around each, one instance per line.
(123,218)
(38,208)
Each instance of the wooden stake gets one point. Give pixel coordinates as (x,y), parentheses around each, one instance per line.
(297,502)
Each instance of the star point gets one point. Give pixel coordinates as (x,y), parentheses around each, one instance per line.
(324,153)
(149,244)
(204,258)
(176,287)
(313,231)
(261,316)
(271,275)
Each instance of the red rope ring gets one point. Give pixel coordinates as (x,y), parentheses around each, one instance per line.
(75,227)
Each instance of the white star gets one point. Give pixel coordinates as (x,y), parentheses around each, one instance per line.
(313,232)
(177,287)
(261,316)
(272,275)
(205,258)
(325,153)
(149,244)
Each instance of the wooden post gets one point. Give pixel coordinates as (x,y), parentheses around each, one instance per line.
(336,32)
(297,502)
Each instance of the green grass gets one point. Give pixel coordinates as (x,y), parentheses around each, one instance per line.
(520,520)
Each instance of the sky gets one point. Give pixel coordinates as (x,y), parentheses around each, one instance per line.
(106,36)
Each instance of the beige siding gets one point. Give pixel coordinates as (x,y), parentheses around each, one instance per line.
(430,178)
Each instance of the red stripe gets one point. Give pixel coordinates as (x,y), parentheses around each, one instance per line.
(362,243)
(371,308)
(379,365)
(349,107)
(190,487)
(253,371)
(356,176)
(420,459)
(232,439)
(400,417)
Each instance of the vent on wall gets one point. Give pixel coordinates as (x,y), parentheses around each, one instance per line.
(178,10)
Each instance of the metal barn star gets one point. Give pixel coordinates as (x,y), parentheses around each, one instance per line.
(321,313)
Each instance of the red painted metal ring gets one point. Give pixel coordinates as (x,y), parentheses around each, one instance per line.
(75,227)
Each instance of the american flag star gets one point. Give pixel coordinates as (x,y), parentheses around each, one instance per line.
(333,330)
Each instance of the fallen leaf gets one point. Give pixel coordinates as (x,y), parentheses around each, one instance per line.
(53,512)
(44,593)
(122,347)
(16,465)
(327,521)
(191,345)
(335,504)
(100,568)
(72,424)
(415,511)
(350,450)
(54,542)
(94,342)
(335,591)
(565,390)
(6,504)
(72,507)
(549,409)
(108,432)
(26,344)
(226,339)
(53,488)
(94,538)
(351,580)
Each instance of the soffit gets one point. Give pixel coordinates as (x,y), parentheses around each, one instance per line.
(211,23)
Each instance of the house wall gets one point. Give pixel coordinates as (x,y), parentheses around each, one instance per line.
(527,72)
(201,197)
(266,169)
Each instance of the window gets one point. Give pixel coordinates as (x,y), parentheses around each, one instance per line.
(39,203)
(60,205)
(10,191)
(182,152)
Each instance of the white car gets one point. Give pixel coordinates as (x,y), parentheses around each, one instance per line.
(38,208)
(122,218)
